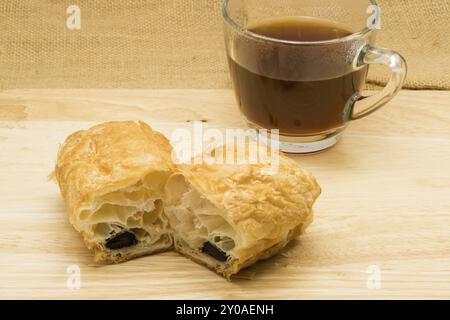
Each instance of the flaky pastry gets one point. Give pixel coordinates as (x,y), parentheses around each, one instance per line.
(227,217)
(127,198)
(112,179)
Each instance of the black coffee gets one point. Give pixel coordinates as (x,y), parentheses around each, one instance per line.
(295,107)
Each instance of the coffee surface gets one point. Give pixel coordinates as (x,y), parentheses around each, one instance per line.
(295,107)
(300,29)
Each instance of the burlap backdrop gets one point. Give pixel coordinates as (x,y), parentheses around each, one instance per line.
(177,43)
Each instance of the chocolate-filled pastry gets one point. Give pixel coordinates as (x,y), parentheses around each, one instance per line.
(227,217)
(112,179)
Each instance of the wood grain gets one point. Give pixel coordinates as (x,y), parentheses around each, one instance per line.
(385,202)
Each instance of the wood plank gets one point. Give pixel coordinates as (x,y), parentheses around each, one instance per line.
(385,202)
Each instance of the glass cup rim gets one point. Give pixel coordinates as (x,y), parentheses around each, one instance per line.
(239,28)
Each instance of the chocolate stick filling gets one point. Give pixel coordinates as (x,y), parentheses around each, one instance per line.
(214,252)
(121,240)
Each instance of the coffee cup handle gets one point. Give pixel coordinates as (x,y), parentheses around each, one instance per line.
(363,105)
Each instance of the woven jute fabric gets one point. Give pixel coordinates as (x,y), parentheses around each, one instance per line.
(178,44)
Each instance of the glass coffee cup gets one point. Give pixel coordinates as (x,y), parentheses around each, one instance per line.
(299,66)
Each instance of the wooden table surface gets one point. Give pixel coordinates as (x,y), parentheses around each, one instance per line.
(385,204)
